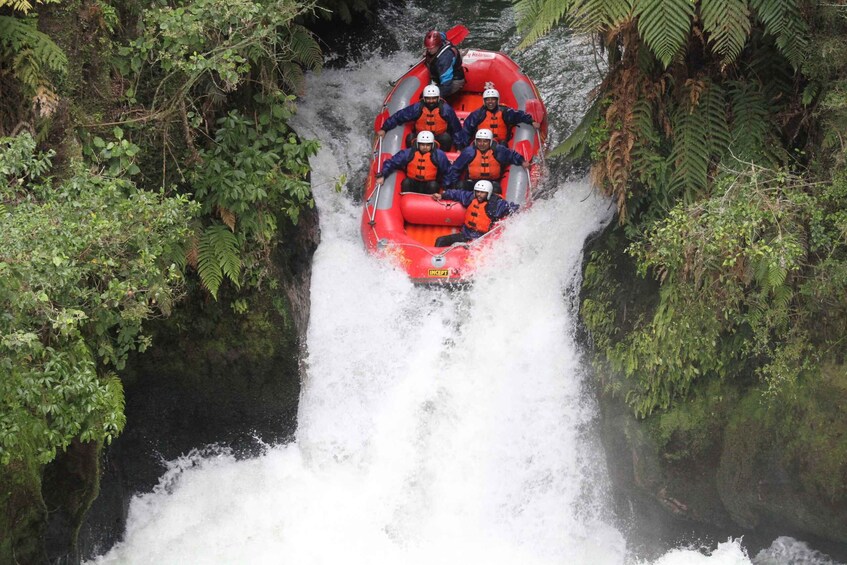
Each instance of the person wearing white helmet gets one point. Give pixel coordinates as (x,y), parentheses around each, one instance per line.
(495,117)
(484,209)
(424,164)
(484,160)
(431,113)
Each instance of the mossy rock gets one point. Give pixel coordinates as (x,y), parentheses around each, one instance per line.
(784,460)
(23,513)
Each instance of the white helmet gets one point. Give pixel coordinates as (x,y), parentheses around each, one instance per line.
(484,186)
(426,137)
(484,134)
(431,90)
(491,93)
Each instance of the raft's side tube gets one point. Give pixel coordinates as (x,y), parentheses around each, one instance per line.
(398,99)
(518,187)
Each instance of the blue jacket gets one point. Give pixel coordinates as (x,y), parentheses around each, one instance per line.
(502,154)
(402,158)
(413,112)
(496,207)
(510,116)
(445,65)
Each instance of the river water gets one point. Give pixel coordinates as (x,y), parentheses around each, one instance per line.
(433,426)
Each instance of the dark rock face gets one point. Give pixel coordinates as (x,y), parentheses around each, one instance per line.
(212,377)
(23,513)
(725,462)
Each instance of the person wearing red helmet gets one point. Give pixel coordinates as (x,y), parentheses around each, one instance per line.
(444,62)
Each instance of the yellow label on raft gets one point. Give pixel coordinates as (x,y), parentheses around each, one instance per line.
(439,272)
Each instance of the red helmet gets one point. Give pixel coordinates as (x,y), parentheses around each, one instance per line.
(432,39)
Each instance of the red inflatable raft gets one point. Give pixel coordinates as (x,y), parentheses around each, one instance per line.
(404,226)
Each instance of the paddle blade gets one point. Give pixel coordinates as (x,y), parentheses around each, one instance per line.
(525,149)
(457,34)
(535,109)
(380,120)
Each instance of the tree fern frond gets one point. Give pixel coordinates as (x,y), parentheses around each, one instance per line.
(31,52)
(304,47)
(538,17)
(596,15)
(17,5)
(690,155)
(644,123)
(577,143)
(648,163)
(749,119)
(526,13)
(714,108)
(664,25)
(227,217)
(701,136)
(292,76)
(618,11)
(208,268)
(783,20)
(728,24)
(218,256)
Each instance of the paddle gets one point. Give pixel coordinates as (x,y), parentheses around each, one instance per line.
(380,120)
(457,34)
(378,123)
(524,147)
(535,109)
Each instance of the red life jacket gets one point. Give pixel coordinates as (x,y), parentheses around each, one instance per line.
(494,122)
(431,120)
(484,166)
(476,218)
(421,167)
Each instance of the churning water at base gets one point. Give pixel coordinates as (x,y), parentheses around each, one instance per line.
(434,427)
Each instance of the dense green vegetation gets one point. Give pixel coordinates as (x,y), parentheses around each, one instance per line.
(716,305)
(85,262)
(718,133)
(145,158)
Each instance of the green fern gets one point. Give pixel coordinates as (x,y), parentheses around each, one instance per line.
(664,26)
(714,107)
(218,257)
(690,155)
(578,143)
(17,5)
(783,20)
(537,17)
(750,124)
(700,135)
(32,54)
(304,47)
(24,5)
(728,24)
(292,75)
(648,163)
(591,15)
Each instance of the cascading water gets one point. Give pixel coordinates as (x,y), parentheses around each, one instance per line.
(434,426)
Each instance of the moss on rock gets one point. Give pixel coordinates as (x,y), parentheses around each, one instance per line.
(784,461)
(726,455)
(23,513)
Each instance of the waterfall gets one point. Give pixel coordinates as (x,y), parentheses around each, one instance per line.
(434,426)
